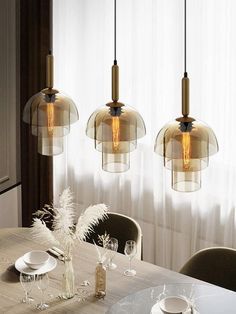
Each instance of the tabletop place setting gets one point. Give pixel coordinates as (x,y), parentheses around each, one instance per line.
(35,266)
(65,236)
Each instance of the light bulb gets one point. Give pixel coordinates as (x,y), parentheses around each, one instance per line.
(115,134)
(50,118)
(186,148)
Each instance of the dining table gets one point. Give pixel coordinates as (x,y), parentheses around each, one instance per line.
(122,292)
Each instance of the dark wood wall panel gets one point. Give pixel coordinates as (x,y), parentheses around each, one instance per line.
(36,170)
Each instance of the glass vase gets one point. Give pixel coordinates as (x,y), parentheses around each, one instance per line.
(68,279)
(100,281)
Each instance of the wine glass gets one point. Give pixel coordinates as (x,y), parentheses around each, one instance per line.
(112,246)
(42,284)
(27,282)
(130,251)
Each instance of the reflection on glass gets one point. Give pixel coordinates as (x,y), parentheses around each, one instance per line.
(27,282)
(130,251)
(112,247)
(42,284)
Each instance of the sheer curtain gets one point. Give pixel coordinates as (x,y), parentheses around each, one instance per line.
(150,56)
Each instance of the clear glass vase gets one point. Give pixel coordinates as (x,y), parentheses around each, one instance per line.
(68,279)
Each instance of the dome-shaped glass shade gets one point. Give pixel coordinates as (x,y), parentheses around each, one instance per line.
(115,129)
(186,146)
(50,115)
(50,110)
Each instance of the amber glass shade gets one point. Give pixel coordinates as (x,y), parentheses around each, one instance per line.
(50,146)
(41,108)
(185,181)
(50,115)
(186,145)
(115,130)
(115,162)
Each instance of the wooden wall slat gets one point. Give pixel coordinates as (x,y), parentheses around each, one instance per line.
(36,170)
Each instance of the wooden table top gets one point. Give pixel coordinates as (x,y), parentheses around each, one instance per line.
(15,242)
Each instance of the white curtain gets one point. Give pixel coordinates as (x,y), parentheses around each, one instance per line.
(150,56)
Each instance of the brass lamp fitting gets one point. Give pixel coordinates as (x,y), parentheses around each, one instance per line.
(115,82)
(49,71)
(185,96)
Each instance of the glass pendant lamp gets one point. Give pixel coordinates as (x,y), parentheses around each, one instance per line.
(50,113)
(115,127)
(186,143)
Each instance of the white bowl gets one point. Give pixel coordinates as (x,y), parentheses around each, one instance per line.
(35,259)
(173,305)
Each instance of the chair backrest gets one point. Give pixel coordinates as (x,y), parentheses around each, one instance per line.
(216,265)
(121,227)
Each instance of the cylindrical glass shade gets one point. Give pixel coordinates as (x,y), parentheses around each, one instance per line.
(115,129)
(115,162)
(186,164)
(55,131)
(50,146)
(116,147)
(186,145)
(50,115)
(118,127)
(44,110)
(186,181)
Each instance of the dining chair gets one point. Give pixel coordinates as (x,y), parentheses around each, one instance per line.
(216,265)
(122,228)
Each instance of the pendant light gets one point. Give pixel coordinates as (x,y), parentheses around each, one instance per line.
(50,113)
(115,127)
(186,143)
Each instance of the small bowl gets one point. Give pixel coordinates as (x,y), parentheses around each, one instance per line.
(35,259)
(173,305)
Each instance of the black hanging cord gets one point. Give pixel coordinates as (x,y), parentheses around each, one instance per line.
(185,39)
(115,61)
(51,27)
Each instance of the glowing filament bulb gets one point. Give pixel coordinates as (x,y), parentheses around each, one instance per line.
(115,133)
(186,150)
(50,117)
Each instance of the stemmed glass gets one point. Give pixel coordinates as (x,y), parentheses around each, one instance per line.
(130,251)
(42,284)
(112,246)
(27,282)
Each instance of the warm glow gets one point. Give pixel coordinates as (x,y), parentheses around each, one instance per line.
(186,150)
(50,117)
(115,133)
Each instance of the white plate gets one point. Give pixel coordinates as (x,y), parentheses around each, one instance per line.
(23,268)
(156,310)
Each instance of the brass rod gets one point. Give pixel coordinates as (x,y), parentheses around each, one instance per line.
(185,96)
(115,82)
(49,71)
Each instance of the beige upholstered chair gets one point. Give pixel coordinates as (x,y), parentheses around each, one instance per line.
(216,265)
(121,227)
